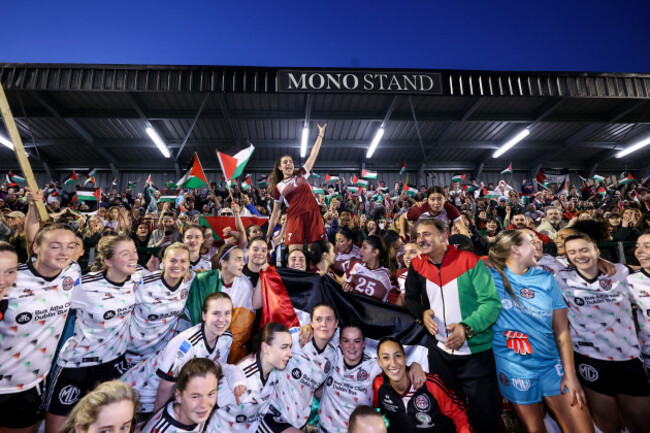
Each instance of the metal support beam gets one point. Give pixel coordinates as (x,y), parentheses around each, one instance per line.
(234,130)
(453,125)
(189,131)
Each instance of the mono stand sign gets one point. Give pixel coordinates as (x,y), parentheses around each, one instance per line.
(409,82)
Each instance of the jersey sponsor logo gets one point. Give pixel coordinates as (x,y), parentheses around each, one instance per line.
(109,315)
(527,293)
(152,317)
(328,367)
(240,418)
(579,301)
(520,384)
(69,395)
(93,359)
(296,373)
(424,419)
(422,402)
(23,318)
(67,283)
(605,284)
(329,381)
(108,296)
(504,379)
(506,303)
(644,294)
(589,373)
(362,375)
(184,293)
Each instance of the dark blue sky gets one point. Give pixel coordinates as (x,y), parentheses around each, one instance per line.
(571,35)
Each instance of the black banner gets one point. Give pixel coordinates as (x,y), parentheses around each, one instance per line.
(409,82)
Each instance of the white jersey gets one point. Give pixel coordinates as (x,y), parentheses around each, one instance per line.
(342,262)
(241,293)
(344,390)
(600,315)
(164,421)
(32,325)
(400,276)
(550,264)
(155,316)
(246,416)
(145,377)
(639,285)
(305,373)
(101,329)
(202,264)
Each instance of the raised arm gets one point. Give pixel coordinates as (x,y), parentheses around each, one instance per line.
(309,164)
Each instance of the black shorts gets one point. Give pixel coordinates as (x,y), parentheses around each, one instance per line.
(613,377)
(273,422)
(70,384)
(22,409)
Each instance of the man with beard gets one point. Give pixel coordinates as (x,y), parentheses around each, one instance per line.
(519,222)
(552,223)
(452,294)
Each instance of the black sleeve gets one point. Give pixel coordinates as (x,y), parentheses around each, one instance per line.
(416,302)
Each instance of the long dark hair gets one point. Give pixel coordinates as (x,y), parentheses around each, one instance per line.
(387,256)
(277,175)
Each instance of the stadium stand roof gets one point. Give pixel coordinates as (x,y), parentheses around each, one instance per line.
(78,115)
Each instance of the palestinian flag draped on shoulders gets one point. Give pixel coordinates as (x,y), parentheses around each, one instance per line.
(194,177)
(289,296)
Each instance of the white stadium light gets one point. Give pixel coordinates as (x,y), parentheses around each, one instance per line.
(510,143)
(6,142)
(633,148)
(156,139)
(303,142)
(375,142)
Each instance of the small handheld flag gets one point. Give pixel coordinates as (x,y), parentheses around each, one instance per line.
(329,178)
(458,178)
(358,182)
(507,170)
(72,179)
(368,174)
(194,177)
(233,166)
(403,169)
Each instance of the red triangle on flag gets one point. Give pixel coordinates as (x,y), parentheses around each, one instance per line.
(277,305)
(98,194)
(197,170)
(228,164)
(355,179)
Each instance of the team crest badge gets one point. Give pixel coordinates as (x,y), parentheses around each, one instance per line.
(527,293)
(362,375)
(328,366)
(504,379)
(67,283)
(183,293)
(422,402)
(606,284)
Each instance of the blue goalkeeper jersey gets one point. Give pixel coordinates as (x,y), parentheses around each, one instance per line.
(523,333)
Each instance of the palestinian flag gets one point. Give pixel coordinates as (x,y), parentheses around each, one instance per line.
(114,183)
(194,177)
(89,195)
(329,197)
(315,176)
(91,172)
(131,184)
(90,179)
(625,180)
(410,191)
(148,181)
(247,183)
(602,192)
(541,177)
(458,178)
(14,178)
(72,179)
(368,174)
(233,166)
(290,295)
(353,190)
(565,188)
(507,170)
(359,182)
(582,179)
(329,178)
(317,190)
(171,185)
(598,178)
(218,223)
(543,185)
(469,188)
(492,194)
(169,196)
(263,182)
(403,169)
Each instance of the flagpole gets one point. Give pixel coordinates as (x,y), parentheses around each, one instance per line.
(19,150)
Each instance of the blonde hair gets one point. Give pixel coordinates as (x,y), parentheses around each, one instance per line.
(86,411)
(106,250)
(500,252)
(175,246)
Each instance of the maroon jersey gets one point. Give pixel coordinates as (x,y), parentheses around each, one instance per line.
(296,194)
(342,263)
(374,283)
